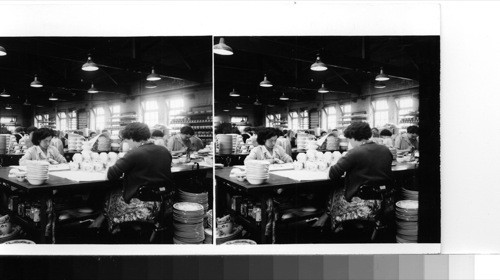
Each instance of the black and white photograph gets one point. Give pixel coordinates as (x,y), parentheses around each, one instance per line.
(106,140)
(327,139)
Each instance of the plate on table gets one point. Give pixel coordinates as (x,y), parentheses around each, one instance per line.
(407,204)
(20,241)
(188,206)
(240,242)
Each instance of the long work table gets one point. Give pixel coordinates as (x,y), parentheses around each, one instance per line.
(55,184)
(270,191)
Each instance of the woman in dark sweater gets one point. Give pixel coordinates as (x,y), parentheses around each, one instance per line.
(145,164)
(366,163)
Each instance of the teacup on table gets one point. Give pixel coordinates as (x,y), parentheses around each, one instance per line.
(21,175)
(5,228)
(226,228)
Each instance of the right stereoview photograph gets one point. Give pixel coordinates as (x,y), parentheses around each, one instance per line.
(331,139)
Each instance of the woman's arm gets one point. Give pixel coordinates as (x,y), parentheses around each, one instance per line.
(253,154)
(344,164)
(123,165)
(29,155)
(57,156)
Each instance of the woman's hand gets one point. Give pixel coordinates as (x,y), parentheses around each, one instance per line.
(321,221)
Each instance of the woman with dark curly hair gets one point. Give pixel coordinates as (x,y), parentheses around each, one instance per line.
(146,164)
(42,150)
(366,163)
(267,149)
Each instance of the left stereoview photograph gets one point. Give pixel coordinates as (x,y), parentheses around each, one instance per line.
(106,140)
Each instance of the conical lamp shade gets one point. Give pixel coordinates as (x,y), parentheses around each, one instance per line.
(380,85)
(266,82)
(90,65)
(151,84)
(92,89)
(318,65)
(238,107)
(284,97)
(4,94)
(3,52)
(382,76)
(323,89)
(26,103)
(257,102)
(153,76)
(8,107)
(234,93)
(36,83)
(222,49)
(53,98)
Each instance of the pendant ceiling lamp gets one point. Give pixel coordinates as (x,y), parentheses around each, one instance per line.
(257,102)
(284,97)
(382,76)
(150,84)
(266,82)
(92,89)
(53,98)
(323,89)
(153,76)
(36,83)
(379,85)
(234,93)
(318,65)
(26,102)
(238,106)
(8,107)
(226,110)
(3,52)
(90,65)
(4,93)
(222,49)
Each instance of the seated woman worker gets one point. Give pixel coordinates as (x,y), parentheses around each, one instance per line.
(146,164)
(367,163)
(41,149)
(267,149)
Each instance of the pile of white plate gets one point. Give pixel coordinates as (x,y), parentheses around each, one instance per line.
(75,142)
(409,194)
(225,143)
(3,143)
(200,198)
(257,171)
(188,223)
(37,172)
(407,221)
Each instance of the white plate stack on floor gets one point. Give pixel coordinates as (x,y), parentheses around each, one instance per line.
(409,194)
(407,221)
(37,172)
(188,223)
(257,171)
(200,198)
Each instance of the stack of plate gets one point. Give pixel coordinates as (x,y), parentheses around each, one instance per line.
(200,198)
(257,171)
(188,223)
(3,143)
(407,221)
(225,144)
(37,172)
(409,194)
